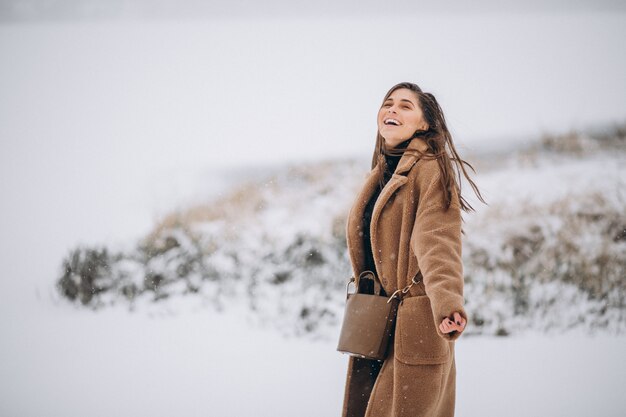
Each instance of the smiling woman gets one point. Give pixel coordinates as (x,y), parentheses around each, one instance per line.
(406,221)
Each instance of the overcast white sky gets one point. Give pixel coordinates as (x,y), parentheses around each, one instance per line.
(238,90)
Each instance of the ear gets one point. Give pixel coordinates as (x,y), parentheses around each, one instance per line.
(423,127)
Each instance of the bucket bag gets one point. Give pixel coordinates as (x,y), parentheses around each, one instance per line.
(369,319)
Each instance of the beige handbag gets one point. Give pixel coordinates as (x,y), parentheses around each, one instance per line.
(369,319)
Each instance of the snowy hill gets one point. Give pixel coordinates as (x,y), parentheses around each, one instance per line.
(548,253)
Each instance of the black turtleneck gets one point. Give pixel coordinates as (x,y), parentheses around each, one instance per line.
(392,163)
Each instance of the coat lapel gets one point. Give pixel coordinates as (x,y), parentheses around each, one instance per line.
(354,226)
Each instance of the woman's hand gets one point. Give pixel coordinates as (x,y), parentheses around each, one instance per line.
(458,324)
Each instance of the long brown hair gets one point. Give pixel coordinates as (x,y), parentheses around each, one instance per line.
(440,147)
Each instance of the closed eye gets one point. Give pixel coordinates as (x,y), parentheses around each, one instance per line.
(407,107)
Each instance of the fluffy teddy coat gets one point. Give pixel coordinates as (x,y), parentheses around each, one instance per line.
(411,232)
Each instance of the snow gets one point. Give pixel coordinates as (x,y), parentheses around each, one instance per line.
(57,360)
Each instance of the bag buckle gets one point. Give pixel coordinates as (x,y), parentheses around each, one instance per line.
(405,289)
(394,295)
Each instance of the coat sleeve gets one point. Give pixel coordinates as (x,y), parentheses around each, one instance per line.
(436,242)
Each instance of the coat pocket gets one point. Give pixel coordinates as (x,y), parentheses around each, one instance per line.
(416,340)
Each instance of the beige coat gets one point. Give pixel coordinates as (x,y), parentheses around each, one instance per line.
(410,232)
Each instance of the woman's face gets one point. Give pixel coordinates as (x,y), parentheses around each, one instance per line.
(400,116)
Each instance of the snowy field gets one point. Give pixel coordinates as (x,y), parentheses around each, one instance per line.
(59,361)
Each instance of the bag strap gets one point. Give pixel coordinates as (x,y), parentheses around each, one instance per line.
(368,275)
(359,282)
(399,293)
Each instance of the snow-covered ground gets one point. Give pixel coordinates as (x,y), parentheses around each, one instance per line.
(59,361)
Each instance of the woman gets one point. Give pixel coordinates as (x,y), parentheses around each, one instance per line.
(406,223)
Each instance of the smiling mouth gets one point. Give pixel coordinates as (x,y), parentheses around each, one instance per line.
(391,122)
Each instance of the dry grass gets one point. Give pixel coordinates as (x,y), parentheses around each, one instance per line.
(242,201)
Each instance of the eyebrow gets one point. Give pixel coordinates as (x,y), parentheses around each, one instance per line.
(404,99)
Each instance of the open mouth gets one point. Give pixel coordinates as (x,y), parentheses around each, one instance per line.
(391,122)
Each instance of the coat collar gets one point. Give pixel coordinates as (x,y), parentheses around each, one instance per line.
(409,157)
(355,217)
